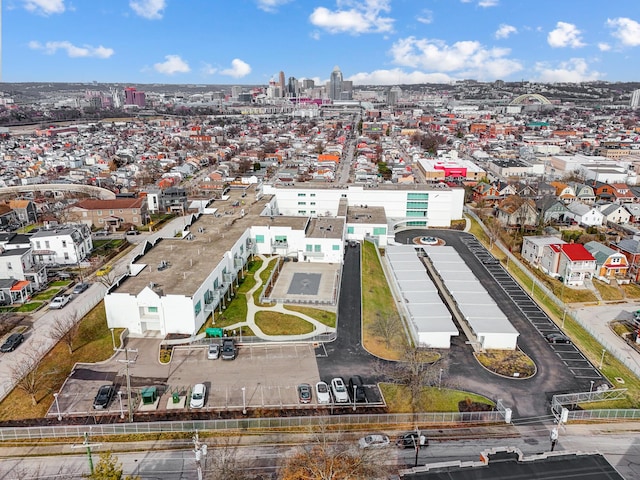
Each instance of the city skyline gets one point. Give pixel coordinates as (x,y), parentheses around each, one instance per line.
(380,42)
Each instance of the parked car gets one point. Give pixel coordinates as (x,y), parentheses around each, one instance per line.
(214,351)
(322,393)
(132,232)
(12,342)
(373,441)
(304,393)
(103,397)
(102,233)
(229,349)
(197,396)
(412,440)
(557,338)
(104,270)
(356,389)
(339,390)
(59,302)
(81,287)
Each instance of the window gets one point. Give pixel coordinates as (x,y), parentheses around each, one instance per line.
(379,231)
(134,219)
(46,244)
(418,196)
(110,212)
(302,203)
(99,212)
(259,238)
(152,309)
(317,248)
(335,247)
(120,211)
(38,244)
(312,212)
(100,220)
(64,244)
(312,195)
(134,211)
(302,194)
(302,212)
(308,248)
(9,266)
(312,203)
(350,229)
(198,308)
(281,238)
(66,255)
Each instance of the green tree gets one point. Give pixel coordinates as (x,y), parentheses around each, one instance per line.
(108,468)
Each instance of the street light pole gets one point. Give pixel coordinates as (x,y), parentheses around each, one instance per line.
(244,401)
(55,397)
(355,389)
(113,338)
(604,350)
(591,386)
(121,408)
(440,380)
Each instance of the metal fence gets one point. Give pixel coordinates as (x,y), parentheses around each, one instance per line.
(424,419)
(247,340)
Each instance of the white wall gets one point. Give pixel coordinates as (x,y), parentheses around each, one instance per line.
(499,341)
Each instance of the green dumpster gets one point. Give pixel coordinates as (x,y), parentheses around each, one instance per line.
(176,397)
(213,332)
(149,395)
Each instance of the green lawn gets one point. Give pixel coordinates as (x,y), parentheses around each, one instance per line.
(275,323)
(47,294)
(377,301)
(324,316)
(432,399)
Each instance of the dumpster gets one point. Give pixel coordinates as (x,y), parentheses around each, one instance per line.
(213,332)
(149,395)
(176,397)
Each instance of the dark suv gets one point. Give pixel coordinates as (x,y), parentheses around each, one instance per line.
(12,342)
(228,349)
(356,389)
(412,440)
(103,397)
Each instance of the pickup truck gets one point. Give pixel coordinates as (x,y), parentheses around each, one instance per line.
(59,301)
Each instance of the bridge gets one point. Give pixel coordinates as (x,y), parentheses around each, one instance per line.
(530,97)
(101,193)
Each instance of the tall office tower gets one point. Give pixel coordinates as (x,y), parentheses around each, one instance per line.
(292,87)
(347,90)
(282,86)
(635,99)
(134,97)
(335,84)
(236,91)
(308,83)
(393,95)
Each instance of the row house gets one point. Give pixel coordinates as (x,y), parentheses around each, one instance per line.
(64,245)
(533,247)
(610,264)
(570,262)
(552,210)
(631,250)
(515,211)
(110,214)
(585,215)
(615,213)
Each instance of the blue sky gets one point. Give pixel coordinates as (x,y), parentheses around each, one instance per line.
(383,42)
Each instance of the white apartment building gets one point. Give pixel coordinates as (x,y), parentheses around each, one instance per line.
(65,245)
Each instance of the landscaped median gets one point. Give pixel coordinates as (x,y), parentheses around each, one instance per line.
(383,333)
(433,399)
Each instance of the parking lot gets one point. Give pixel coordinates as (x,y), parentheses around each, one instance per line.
(261,376)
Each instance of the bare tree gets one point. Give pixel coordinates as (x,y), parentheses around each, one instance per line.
(27,373)
(415,371)
(65,328)
(387,327)
(223,461)
(330,456)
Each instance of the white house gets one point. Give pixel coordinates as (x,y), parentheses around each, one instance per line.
(533,247)
(64,245)
(585,215)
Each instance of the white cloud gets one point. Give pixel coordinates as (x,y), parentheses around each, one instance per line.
(238,69)
(72,50)
(466,58)
(565,35)
(604,47)
(626,30)
(45,7)
(209,69)
(173,64)
(354,17)
(488,3)
(575,70)
(149,9)
(426,17)
(271,5)
(398,77)
(505,30)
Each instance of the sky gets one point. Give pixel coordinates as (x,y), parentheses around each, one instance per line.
(373,42)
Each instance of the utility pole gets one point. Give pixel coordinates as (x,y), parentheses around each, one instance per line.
(200,449)
(88,446)
(126,361)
